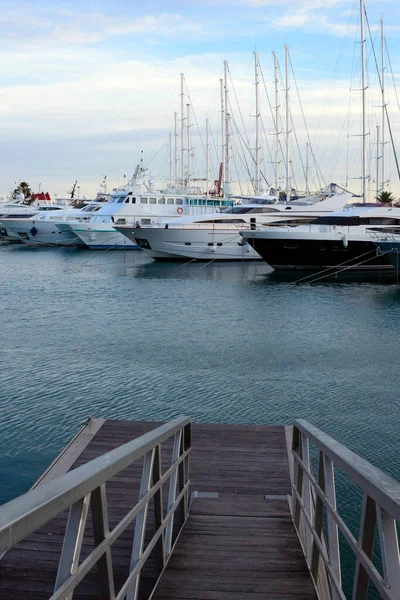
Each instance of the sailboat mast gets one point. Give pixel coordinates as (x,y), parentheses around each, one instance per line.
(207,158)
(227,174)
(176,146)
(221,81)
(307,168)
(182,130)
(377,160)
(276,121)
(383,105)
(188,142)
(170,160)
(287,126)
(257,181)
(364,112)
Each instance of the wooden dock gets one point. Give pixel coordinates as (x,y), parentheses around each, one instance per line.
(238,543)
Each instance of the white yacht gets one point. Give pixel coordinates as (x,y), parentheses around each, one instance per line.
(341,244)
(138,203)
(216,236)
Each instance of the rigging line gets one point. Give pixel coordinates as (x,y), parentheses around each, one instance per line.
(317,168)
(272,112)
(334,267)
(195,120)
(251,156)
(266,141)
(237,171)
(157,153)
(385,107)
(345,269)
(391,71)
(241,141)
(238,105)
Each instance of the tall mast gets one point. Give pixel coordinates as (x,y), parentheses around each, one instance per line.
(170,160)
(182,130)
(364,112)
(383,105)
(176,146)
(188,142)
(257,180)
(377,160)
(307,168)
(288,186)
(276,122)
(227,173)
(222,126)
(207,159)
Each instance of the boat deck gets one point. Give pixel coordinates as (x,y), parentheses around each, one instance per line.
(239,541)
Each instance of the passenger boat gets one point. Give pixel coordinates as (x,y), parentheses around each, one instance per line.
(216,236)
(342,243)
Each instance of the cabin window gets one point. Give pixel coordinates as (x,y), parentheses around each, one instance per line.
(152,200)
(127,201)
(170,200)
(161,201)
(143,200)
(120,200)
(178,201)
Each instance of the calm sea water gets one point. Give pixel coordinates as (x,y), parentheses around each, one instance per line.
(116,335)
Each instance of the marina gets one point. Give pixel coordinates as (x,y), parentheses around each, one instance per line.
(199,390)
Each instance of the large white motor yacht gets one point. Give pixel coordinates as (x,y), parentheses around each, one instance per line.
(216,237)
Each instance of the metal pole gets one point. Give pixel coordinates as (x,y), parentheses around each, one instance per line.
(377,161)
(276,121)
(257,181)
(287,126)
(227,174)
(188,143)
(383,104)
(170,160)
(207,159)
(307,167)
(182,131)
(176,146)
(222,127)
(364,112)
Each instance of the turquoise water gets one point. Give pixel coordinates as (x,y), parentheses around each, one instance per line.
(116,335)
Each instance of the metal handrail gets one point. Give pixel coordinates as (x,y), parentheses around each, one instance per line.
(84,487)
(314,494)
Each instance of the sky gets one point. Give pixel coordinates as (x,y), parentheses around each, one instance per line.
(86,86)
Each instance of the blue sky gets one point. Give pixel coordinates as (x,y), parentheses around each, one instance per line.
(84,86)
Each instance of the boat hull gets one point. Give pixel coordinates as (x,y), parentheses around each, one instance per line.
(172,244)
(103,238)
(328,257)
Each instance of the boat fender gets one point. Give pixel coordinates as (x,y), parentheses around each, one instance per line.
(34,231)
(345,242)
(179,210)
(213,249)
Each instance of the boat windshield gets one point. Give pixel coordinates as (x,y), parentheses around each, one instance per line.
(242,209)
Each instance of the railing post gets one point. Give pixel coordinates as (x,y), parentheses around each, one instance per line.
(72,544)
(318,519)
(333,532)
(158,509)
(307,496)
(389,548)
(172,494)
(366,542)
(186,443)
(297,475)
(98,504)
(140,525)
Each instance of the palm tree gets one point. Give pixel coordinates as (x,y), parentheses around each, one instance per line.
(25,189)
(385,197)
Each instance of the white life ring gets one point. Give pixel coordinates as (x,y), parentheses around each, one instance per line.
(179,210)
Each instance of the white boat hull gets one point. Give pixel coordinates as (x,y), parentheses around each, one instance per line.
(39,233)
(171,244)
(101,236)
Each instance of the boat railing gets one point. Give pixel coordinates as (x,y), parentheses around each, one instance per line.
(83,490)
(318,522)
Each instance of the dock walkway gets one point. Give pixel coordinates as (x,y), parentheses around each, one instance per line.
(238,543)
